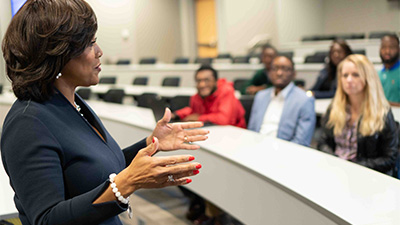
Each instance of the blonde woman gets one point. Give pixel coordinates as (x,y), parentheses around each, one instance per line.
(359,125)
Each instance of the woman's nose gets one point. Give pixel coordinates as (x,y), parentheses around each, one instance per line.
(99,52)
(349,78)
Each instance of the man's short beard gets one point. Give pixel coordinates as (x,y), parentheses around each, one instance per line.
(392,60)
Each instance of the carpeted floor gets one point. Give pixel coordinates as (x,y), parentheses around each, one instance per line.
(157,206)
(10,220)
(150,207)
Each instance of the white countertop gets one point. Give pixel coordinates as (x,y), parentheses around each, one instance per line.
(354,193)
(140,89)
(263,180)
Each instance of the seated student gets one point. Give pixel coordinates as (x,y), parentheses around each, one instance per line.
(215,101)
(359,125)
(260,79)
(283,111)
(390,74)
(325,86)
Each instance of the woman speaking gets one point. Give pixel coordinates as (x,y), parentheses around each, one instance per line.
(64,166)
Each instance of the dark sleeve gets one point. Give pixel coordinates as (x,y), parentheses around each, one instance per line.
(387,144)
(131,151)
(320,80)
(256,80)
(326,141)
(246,85)
(324,94)
(32,158)
(261,78)
(316,89)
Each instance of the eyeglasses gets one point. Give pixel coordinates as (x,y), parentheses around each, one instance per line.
(285,69)
(207,80)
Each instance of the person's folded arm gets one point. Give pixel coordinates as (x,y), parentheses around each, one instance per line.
(395,104)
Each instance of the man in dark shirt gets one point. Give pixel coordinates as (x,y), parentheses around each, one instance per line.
(260,79)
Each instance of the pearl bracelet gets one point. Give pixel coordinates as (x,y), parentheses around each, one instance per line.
(115,190)
(118,194)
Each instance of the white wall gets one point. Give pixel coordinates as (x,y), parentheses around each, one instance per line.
(5,17)
(158,29)
(188,29)
(165,28)
(115,17)
(298,18)
(151,28)
(243,20)
(287,21)
(282,20)
(345,16)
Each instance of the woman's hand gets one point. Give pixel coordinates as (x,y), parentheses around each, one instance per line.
(174,136)
(146,171)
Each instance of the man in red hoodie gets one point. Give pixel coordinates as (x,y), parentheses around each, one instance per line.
(215,101)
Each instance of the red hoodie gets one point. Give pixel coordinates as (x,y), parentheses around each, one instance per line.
(221,107)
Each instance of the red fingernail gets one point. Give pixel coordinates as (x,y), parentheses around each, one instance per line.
(153,140)
(196,172)
(191,158)
(198,166)
(188,180)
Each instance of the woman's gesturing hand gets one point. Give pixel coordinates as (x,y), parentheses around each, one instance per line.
(146,171)
(174,136)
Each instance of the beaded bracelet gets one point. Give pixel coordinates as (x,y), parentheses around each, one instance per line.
(118,194)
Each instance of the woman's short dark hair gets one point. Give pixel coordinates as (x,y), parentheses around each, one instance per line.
(40,40)
(208,67)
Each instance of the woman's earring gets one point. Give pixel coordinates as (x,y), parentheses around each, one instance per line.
(58,75)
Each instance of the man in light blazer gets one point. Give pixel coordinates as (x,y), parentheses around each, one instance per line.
(284,110)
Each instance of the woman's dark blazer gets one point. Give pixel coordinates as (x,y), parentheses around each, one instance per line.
(317,88)
(377,151)
(58,165)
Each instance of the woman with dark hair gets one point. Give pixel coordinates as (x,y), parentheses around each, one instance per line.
(325,85)
(64,166)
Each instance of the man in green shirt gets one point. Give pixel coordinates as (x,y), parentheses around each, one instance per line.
(390,74)
(260,79)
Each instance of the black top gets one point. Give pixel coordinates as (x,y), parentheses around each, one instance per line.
(324,87)
(259,78)
(57,163)
(377,151)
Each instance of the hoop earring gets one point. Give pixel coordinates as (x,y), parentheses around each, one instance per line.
(58,75)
